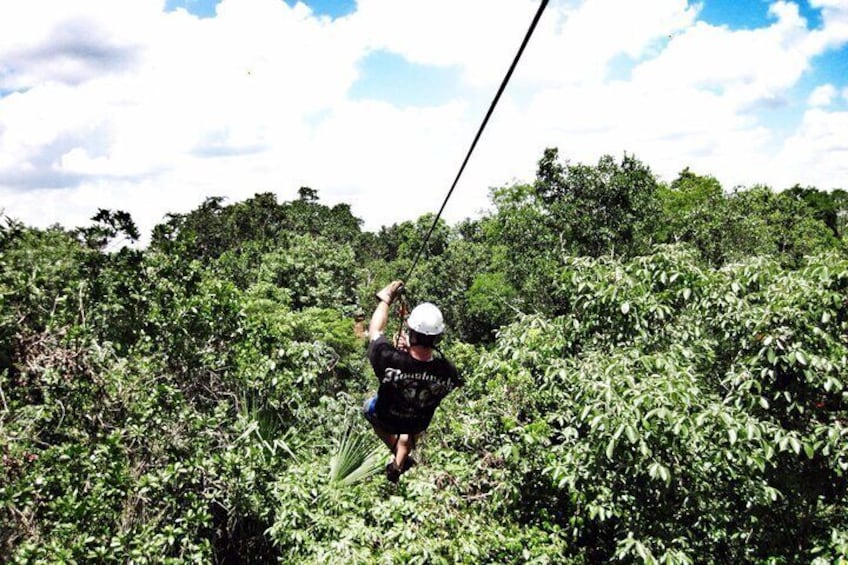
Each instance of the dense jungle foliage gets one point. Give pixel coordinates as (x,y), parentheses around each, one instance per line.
(655,373)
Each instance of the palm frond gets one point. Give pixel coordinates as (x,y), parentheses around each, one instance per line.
(356,457)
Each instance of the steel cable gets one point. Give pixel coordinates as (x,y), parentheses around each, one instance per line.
(479,133)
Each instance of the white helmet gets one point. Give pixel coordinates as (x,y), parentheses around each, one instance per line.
(426,319)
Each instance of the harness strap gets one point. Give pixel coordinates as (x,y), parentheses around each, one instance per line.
(402,312)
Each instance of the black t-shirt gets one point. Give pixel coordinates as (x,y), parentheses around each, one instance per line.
(410,390)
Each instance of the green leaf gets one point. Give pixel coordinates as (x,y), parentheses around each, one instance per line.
(772,493)
(809,450)
(610,448)
(618,432)
(356,457)
(795,445)
(768,450)
(659,471)
(831,384)
(771,355)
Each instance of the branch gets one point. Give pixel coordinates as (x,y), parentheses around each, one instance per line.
(3,398)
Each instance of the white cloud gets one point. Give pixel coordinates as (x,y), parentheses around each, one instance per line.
(748,67)
(822,95)
(123,105)
(243,83)
(408,155)
(474,35)
(577,43)
(70,42)
(817,154)
(834,32)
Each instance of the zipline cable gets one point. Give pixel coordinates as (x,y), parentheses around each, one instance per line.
(479,133)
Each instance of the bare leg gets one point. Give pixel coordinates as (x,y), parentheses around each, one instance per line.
(404,445)
(399,444)
(389,439)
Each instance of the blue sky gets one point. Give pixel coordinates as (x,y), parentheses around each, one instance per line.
(737,14)
(749,14)
(206,8)
(152,107)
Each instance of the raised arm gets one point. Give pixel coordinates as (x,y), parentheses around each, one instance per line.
(380,317)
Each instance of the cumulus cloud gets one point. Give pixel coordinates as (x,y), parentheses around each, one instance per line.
(817,154)
(125,105)
(693,99)
(578,41)
(135,106)
(834,32)
(749,68)
(472,35)
(45,41)
(822,96)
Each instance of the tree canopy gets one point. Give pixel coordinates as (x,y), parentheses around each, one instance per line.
(655,372)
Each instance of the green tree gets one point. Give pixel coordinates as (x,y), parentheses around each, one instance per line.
(313,271)
(607,208)
(696,210)
(107,226)
(401,242)
(307,215)
(776,224)
(824,205)
(748,221)
(840,202)
(214,228)
(520,224)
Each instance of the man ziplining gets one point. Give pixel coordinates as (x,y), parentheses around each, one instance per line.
(413,381)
